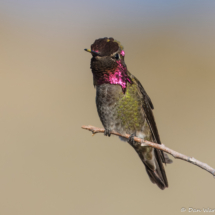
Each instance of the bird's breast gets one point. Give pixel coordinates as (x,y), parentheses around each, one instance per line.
(120,111)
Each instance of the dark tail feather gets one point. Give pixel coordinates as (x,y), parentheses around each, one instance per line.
(157,176)
(159,167)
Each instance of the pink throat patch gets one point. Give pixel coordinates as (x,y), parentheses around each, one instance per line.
(118,77)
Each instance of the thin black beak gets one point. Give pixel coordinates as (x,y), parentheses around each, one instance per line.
(92,52)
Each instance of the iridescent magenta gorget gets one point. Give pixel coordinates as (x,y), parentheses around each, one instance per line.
(118,76)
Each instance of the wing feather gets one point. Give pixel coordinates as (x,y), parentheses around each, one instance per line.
(147,107)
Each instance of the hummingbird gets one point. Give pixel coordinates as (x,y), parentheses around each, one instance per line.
(124,106)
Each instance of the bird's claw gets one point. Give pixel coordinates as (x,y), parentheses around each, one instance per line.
(107,132)
(131,140)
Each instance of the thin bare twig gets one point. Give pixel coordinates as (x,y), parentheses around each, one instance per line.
(162,147)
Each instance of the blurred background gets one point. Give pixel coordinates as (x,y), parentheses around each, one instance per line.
(48,164)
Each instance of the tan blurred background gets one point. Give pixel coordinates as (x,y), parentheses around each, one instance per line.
(48,164)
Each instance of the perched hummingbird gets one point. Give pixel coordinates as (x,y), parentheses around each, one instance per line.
(124,106)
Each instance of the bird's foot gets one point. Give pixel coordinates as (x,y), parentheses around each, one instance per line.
(107,132)
(131,140)
(167,159)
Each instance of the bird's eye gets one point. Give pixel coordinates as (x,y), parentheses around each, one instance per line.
(116,56)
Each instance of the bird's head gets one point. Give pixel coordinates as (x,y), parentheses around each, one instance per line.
(107,55)
(107,62)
